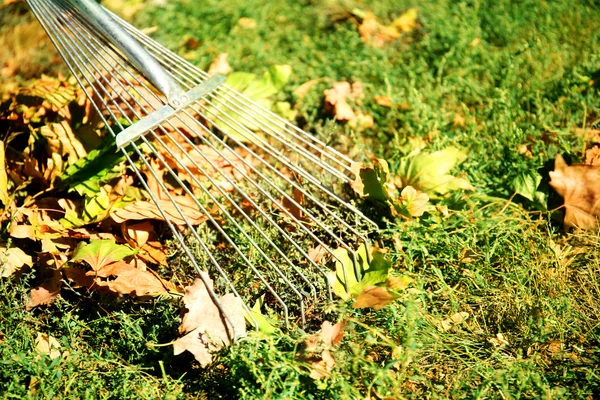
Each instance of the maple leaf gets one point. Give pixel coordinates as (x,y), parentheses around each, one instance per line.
(100,253)
(579,186)
(205,330)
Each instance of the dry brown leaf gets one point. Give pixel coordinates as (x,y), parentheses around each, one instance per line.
(247,23)
(219,65)
(374,297)
(48,345)
(205,330)
(317,349)
(131,278)
(47,292)
(295,207)
(317,254)
(149,210)
(376,34)
(137,234)
(384,101)
(336,100)
(453,320)
(592,156)
(79,277)
(62,140)
(579,186)
(13,260)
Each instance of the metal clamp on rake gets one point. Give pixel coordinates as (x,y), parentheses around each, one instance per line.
(264,189)
(177,98)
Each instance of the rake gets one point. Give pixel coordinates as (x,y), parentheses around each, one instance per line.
(270,192)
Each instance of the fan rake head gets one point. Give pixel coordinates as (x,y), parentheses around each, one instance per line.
(265,188)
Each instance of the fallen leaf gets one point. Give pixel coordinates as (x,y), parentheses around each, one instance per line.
(48,291)
(204,328)
(374,297)
(137,234)
(247,23)
(429,172)
(62,140)
(336,100)
(47,345)
(499,340)
(12,260)
(398,283)
(579,186)
(592,156)
(295,207)
(219,65)
(100,253)
(412,203)
(453,320)
(317,254)
(129,279)
(376,34)
(407,21)
(139,210)
(303,89)
(384,101)
(345,282)
(317,349)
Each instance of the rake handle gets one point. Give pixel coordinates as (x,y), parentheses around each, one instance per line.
(136,54)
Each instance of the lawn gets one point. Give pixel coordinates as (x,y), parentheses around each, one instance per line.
(503,300)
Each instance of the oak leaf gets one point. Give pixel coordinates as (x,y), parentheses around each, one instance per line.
(204,328)
(579,186)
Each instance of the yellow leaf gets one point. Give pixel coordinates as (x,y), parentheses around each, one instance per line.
(48,345)
(406,22)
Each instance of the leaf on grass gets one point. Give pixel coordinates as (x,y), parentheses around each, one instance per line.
(47,345)
(453,320)
(129,279)
(317,349)
(346,271)
(526,185)
(372,182)
(412,203)
(100,253)
(139,210)
(337,103)
(376,34)
(429,172)
(205,330)
(219,66)
(579,186)
(12,260)
(374,297)
(50,267)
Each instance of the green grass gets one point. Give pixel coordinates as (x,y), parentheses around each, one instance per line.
(519,73)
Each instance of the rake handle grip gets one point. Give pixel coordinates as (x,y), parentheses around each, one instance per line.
(136,54)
